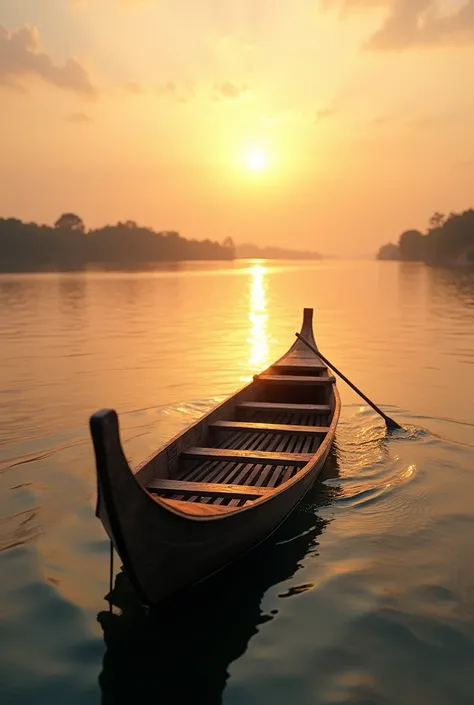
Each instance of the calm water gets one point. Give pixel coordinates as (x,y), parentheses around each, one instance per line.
(366,595)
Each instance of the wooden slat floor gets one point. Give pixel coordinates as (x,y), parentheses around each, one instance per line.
(249,474)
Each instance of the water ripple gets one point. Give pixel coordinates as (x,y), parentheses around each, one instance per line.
(366,595)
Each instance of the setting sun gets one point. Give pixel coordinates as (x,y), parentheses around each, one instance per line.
(257,160)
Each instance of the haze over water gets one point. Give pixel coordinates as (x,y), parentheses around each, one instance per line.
(367,593)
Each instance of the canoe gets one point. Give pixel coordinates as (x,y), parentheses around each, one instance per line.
(206,628)
(224,484)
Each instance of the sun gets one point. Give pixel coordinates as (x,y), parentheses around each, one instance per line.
(257,160)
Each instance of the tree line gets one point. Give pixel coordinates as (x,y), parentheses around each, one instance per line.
(249,251)
(448,240)
(69,246)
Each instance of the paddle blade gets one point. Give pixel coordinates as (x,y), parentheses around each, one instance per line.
(390,423)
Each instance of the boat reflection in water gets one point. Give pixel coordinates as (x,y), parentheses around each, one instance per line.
(180,654)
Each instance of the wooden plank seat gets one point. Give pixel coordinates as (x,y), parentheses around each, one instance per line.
(199,509)
(295,379)
(297,368)
(286,429)
(210,489)
(277,407)
(298,362)
(247,456)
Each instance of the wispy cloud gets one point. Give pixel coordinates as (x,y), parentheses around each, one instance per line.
(422,23)
(78,118)
(380,120)
(182,92)
(432,122)
(135,88)
(423,124)
(177,92)
(412,23)
(21,59)
(467,164)
(229,91)
(417,124)
(278,118)
(87,3)
(324,113)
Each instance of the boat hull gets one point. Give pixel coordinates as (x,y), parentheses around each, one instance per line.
(167,544)
(165,551)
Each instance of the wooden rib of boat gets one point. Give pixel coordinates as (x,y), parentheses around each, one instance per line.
(225,483)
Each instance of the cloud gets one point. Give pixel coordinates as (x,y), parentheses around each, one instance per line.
(135,88)
(21,59)
(278,118)
(421,22)
(229,91)
(380,120)
(324,113)
(82,4)
(422,124)
(433,122)
(178,93)
(413,23)
(79,118)
(467,164)
(184,91)
(426,123)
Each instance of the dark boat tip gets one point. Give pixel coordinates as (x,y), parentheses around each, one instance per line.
(307,327)
(102,415)
(103,421)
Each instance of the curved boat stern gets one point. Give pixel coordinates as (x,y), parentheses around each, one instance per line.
(118,490)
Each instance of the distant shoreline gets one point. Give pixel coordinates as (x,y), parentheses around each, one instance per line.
(448,242)
(249,251)
(68,247)
(162,265)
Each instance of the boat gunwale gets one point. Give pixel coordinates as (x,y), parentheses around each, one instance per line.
(306,329)
(298,477)
(321,452)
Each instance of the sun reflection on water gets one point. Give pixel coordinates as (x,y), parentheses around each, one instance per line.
(258,317)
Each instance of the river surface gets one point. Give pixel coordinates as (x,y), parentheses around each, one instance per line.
(365,595)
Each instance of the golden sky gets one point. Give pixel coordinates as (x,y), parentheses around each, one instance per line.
(329,125)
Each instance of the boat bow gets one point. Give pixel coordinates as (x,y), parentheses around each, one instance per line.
(223,484)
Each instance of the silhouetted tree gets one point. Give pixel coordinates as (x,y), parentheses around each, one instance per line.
(229,245)
(411,246)
(70,221)
(249,251)
(448,241)
(437,220)
(452,242)
(389,252)
(30,247)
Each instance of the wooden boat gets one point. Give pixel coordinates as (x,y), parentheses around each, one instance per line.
(225,483)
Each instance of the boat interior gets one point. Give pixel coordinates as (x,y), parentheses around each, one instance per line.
(264,444)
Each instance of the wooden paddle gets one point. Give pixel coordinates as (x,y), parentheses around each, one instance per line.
(389,422)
